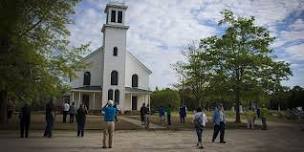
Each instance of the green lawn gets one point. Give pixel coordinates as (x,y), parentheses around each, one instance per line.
(93,123)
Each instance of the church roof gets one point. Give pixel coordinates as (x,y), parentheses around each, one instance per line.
(139,62)
(88,88)
(128,53)
(136,90)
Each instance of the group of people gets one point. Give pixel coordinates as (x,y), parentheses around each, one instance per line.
(109,111)
(252,114)
(68,110)
(165,111)
(219,123)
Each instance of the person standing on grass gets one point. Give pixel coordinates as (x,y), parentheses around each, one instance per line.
(162,114)
(199,120)
(142,113)
(182,113)
(147,117)
(168,111)
(72,112)
(109,118)
(219,122)
(66,109)
(25,119)
(49,117)
(264,111)
(81,119)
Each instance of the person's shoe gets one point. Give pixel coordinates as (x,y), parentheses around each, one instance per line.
(201,147)
(104,147)
(110,146)
(197,144)
(212,140)
(223,142)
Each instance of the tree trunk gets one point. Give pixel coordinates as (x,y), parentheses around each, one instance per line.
(3,107)
(237,108)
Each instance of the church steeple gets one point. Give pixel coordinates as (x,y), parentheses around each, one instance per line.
(116,13)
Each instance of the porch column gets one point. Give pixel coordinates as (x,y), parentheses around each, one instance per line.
(73,97)
(93,105)
(79,99)
(149,102)
(131,102)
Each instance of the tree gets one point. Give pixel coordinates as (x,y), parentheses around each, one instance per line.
(35,57)
(193,73)
(239,61)
(164,97)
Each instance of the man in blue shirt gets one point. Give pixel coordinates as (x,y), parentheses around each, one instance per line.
(109,118)
(219,122)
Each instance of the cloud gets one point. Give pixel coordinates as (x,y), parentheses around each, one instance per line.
(159,29)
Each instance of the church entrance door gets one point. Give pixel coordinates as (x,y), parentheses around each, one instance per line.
(134,102)
(86,100)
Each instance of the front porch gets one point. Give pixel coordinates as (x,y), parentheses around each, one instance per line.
(90,96)
(134,98)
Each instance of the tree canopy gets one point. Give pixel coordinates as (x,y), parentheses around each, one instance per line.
(237,62)
(36,59)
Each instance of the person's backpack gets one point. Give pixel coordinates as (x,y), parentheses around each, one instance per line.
(198,121)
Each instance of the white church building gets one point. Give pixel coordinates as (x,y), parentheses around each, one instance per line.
(113,73)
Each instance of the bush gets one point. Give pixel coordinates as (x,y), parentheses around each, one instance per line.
(165,97)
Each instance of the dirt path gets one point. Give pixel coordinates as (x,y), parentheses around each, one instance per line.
(279,139)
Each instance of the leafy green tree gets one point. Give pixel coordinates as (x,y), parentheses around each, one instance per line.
(35,57)
(193,73)
(239,61)
(165,97)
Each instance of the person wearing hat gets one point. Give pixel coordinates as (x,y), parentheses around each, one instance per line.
(109,117)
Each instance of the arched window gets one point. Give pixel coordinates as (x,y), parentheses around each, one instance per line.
(110,94)
(114,78)
(115,51)
(86,78)
(134,80)
(117,97)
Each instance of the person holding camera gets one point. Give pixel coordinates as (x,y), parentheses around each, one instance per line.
(109,117)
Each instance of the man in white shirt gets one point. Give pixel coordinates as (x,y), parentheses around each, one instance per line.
(66,109)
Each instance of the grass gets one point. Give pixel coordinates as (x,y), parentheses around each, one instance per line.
(93,122)
(189,125)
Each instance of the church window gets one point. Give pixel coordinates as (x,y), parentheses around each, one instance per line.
(114,78)
(119,16)
(113,16)
(110,94)
(115,51)
(134,80)
(86,78)
(117,97)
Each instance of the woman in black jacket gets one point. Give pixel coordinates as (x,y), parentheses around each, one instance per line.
(81,119)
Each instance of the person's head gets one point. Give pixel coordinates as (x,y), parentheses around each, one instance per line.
(221,107)
(110,103)
(73,103)
(199,109)
(144,104)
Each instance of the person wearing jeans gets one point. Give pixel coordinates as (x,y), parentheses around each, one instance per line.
(200,120)
(219,122)
(109,117)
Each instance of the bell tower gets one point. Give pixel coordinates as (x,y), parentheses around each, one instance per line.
(114,53)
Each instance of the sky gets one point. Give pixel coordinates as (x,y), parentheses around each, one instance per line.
(161,29)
